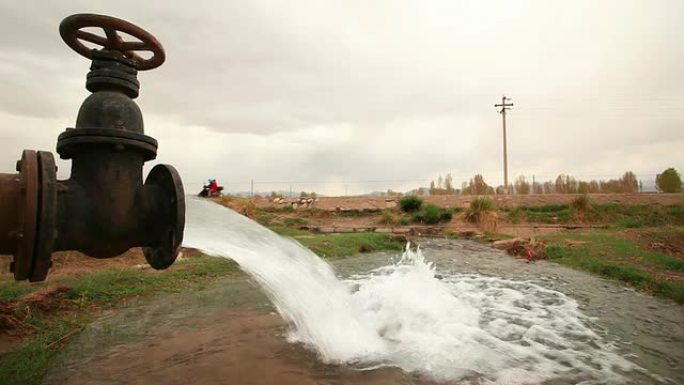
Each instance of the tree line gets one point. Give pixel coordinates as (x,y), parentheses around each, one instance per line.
(669,181)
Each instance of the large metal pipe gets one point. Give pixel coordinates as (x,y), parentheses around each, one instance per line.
(104,208)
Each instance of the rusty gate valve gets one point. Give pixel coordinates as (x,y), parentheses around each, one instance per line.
(104,209)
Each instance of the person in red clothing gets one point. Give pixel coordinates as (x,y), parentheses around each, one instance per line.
(211,189)
(214,189)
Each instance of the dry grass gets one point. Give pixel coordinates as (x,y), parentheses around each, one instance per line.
(483,213)
(389,218)
(244,206)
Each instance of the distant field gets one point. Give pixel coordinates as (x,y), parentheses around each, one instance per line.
(380,202)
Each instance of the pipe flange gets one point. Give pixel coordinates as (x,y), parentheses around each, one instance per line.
(164,180)
(28,215)
(47,217)
(69,140)
(38,214)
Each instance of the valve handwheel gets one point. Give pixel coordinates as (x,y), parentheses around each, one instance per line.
(71,30)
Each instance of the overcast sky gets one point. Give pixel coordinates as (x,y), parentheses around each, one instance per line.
(326,94)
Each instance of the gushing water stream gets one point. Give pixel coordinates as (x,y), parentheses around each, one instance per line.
(450,327)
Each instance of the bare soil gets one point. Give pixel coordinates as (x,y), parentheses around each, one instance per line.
(242,347)
(380,202)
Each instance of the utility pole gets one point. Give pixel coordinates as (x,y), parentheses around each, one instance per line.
(252,187)
(505,106)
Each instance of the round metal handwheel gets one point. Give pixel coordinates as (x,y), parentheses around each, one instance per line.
(71,30)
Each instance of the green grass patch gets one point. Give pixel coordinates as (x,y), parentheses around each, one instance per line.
(28,363)
(290,222)
(348,244)
(614,214)
(610,255)
(111,285)
(264,218)
(11,289)
(340,244)
(355,213)
(288,208)
(290,231)
(497,236)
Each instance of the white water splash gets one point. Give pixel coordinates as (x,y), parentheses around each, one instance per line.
(461,327)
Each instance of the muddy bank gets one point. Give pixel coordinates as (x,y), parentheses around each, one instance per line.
(230,333)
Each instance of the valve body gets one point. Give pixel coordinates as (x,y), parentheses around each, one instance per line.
(104,208)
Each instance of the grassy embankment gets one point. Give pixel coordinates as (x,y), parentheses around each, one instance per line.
(626,256)
(50,322)
(641,245)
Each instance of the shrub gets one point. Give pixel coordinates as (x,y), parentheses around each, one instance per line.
(445,216)
(515,215)
(581,203)
(404,221)
(388,217)
(431,215)
(410,204)
(265,218)
(244,206)
(481,212)
(478,206)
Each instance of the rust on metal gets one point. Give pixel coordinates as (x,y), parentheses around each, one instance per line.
(71,30)
(23,257)
(104,208)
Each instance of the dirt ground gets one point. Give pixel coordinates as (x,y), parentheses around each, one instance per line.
(249,349)
(74,263)
(380,202)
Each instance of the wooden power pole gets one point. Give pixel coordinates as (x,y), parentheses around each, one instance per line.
(505,106)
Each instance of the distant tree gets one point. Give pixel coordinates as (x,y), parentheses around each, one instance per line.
(522,186)
(594,187)
(669,181)
(478,186)
(443,186)
(305,194)
(565,184)
(449,184)
(549,187)
(537,188)
(583,187)
(629,183)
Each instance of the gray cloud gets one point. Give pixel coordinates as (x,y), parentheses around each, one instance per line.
(351,90)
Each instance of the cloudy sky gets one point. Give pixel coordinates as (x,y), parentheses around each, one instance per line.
(361,95)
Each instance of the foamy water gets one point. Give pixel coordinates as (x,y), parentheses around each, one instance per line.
(465,327)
